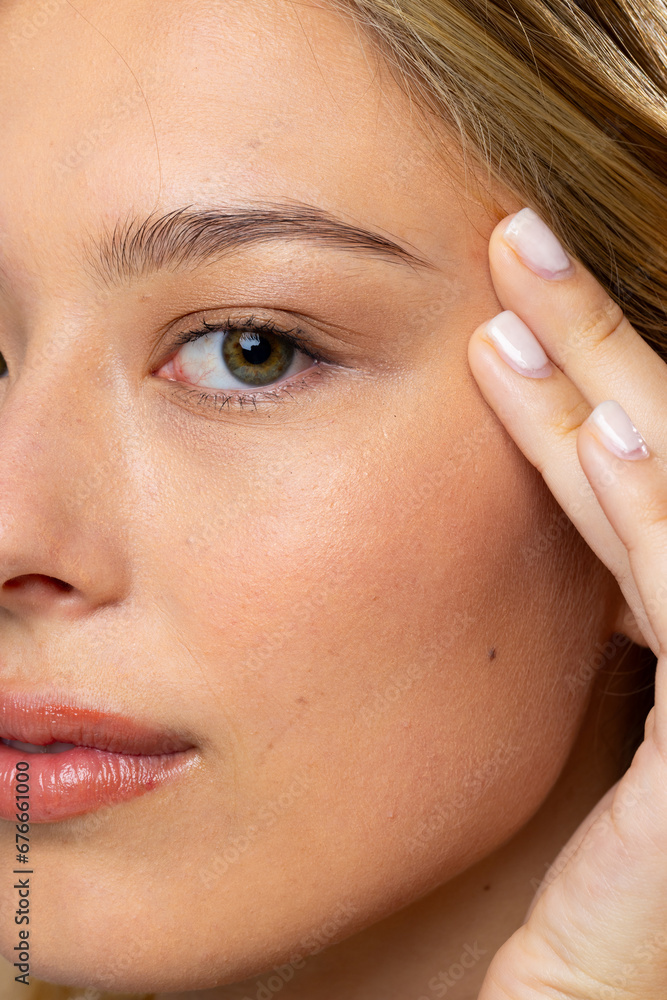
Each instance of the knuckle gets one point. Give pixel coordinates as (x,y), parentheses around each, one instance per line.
(653,511)
(569,419)
(599,325)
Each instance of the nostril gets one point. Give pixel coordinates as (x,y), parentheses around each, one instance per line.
(30,579)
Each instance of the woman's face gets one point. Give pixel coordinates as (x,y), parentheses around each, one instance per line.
(305,576)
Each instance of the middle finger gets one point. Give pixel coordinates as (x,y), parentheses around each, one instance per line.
(579,325)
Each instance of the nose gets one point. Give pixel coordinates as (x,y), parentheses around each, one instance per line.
(62,540)
(35,580)
(32,590)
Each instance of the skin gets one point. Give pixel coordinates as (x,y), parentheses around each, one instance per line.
(309,590)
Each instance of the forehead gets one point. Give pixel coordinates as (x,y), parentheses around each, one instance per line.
(134,106)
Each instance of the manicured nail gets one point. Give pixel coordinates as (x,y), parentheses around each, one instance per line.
(537,246)
(617,432)
(518,346)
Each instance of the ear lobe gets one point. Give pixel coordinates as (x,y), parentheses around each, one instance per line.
(625,622)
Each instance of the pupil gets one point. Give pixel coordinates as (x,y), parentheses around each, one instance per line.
(256,350)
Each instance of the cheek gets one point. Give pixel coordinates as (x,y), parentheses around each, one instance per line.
(322,616)
(345,607)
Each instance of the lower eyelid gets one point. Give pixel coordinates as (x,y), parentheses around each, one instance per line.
(274,394)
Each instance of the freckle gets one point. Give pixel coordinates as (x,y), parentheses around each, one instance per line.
(301,700)
(492,653)
(486,888)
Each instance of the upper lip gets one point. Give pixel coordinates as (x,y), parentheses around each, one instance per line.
(31,719)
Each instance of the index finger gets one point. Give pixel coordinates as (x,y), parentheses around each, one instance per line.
(582,329)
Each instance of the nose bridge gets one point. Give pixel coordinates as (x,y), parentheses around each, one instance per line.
(58,421)
(63,479)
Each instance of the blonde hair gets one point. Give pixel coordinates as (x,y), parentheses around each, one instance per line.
(563,102)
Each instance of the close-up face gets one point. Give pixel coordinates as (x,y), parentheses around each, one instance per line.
(253,502)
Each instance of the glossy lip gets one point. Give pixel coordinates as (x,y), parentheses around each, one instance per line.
(31,720)
(113,758)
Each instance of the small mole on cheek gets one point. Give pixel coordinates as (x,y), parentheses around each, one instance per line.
(486,888)
(301,700)
(492,652)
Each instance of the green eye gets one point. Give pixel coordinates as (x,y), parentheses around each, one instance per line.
(256,357)
(241,355)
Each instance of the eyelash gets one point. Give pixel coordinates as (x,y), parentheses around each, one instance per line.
(282,390)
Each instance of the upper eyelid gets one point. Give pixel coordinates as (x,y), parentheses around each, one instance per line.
(249,323)
(301,339)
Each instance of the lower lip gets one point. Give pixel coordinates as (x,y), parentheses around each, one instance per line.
(82,780)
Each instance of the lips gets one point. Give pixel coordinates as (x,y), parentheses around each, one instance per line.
(34,748)
(81,758)
(41,723)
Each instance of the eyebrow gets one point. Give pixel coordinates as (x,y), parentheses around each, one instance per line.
(191,237)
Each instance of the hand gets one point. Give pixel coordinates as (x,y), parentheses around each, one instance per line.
(563,370)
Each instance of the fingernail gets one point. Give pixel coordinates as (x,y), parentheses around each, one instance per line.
(518,346)
(617,432)
(537,246)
